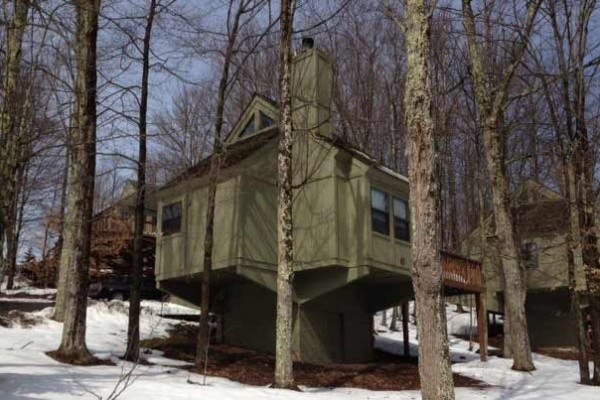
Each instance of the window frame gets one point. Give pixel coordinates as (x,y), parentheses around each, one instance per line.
(530,255)
(251,124)
(171,231)
(263,117)
(385,213)
(397,219)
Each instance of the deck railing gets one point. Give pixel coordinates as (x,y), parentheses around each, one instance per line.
(461,273)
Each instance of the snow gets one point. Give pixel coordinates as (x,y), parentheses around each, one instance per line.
(22,287)
(24,300)
(27,373)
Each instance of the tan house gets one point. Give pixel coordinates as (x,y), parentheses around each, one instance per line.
(542,223)
(351,229)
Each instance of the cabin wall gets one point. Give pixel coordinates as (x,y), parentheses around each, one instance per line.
(170,249)
(351,238)
(182,253)
(249,317)
(334,328)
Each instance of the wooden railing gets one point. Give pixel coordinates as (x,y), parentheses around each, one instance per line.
(462,273)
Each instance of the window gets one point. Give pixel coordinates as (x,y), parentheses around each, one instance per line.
(530,255)
(401,221)
(249,128)
(171,218)
(380,217)
(265,120)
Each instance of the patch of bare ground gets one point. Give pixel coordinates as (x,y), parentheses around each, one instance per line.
(77,359)
(495,344)
(563,353)
(386,372)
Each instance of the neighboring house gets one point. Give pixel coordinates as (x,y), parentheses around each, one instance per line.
(541,224)
(112,234)
(351,230)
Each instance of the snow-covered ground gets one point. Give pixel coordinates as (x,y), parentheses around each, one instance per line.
(22,288)
(27,373)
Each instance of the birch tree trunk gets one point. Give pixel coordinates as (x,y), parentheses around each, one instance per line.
(133,328)
(491,101)
(80,196)
(284,375)
(434,362)
(10,141)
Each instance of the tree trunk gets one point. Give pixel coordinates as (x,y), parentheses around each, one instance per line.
(203,339)
(405,322)
(63,271)
(133,328)
(584,171)
(578,164)
(492,98)
(584,159)
(394,322)
(572,234)
(284,374)
(10,141)
(434,362)
(513,272)
(78,223)
(12,242)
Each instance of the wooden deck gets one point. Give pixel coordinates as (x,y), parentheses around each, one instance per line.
(464,276)
(461,274)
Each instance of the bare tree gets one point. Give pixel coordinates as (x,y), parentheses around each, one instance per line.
(82,165)
(10,132)
(434,362)
(234,23)
(284,373)
(492,98)
(561,99)
(183,131)
(133,329)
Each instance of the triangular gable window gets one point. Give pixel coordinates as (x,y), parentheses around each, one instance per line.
(265,120)
(248,129)
(259,116)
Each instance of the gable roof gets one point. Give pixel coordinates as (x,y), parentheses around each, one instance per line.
(531,192)
(537,210)
(237,148)
(233,154)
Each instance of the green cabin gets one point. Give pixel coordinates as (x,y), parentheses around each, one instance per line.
(351,229)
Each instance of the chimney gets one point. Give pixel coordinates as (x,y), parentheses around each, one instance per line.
(308,43)
(312,80)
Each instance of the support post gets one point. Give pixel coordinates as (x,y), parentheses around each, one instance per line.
(405,329)
(481,325)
